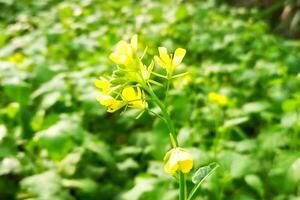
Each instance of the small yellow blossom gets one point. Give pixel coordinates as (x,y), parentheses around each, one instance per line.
(111,103)
(18,58)
(218,98)
(134,98)
(178,159)
(125,51)
(168,62)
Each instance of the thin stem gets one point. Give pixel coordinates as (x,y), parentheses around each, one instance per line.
(163,110)
(173,137)
(174,142)
(157,115)
(168,86)
(182,187)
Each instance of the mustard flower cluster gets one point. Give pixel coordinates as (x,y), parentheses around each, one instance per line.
(130,84)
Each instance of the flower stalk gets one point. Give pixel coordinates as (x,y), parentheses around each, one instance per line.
(128,87)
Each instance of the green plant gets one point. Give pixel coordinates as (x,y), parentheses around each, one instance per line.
(130,86)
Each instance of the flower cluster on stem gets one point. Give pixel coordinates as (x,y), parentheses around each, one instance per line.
(130,86)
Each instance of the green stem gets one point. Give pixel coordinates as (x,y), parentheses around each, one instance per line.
(182,179)
(182,186)
(168,86)
(164,112)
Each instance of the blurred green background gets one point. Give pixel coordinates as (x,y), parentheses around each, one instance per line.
(58,143)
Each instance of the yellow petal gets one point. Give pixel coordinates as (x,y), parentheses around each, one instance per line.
(134,42)
(102,84)
(212,96)
(163,53)
(222,100)
(140,104)
(174,157)
(178,56)
(219,99)
(129,94)
(117,58)
(170,169)
(122,47)
(159,62)
(105,99)
(134,97)
(186,165)
(178,158)
(116,105)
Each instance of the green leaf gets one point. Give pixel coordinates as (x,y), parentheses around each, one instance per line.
(255,182)
(203,172)
(235,121)
(47,185)
(143,184)
(85,185)
(200,175)
(255,107)
(3,131)
(60,138)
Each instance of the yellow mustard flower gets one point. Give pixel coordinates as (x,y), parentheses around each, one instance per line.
(178,159)
(134,98)
(18,58)
(218,98)
(169,62)
(110,102)
(124,51)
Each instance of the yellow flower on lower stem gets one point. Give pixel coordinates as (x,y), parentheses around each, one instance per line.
(218,98)
(18,58)
(134,97)
(178,159)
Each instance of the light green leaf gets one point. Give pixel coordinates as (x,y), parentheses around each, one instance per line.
(235,121)
(255,182)
(47,185)
(143,184)
(203,172)
(200,175)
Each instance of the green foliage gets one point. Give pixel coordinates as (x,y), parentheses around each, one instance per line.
(56,142)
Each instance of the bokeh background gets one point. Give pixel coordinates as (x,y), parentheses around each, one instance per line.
(58,143)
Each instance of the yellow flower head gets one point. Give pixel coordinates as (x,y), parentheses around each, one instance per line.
(178,159)
(111,103)
(168,62)
(18,58)
(134,98)
(124,52)
(218,98)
